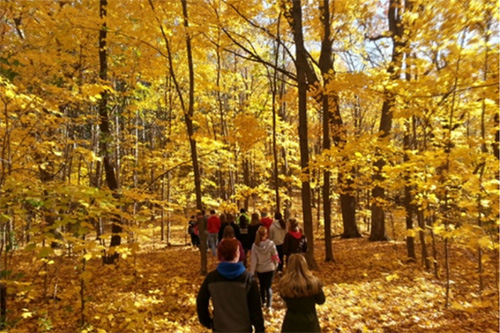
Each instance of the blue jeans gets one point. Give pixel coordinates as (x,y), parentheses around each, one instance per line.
(212,242)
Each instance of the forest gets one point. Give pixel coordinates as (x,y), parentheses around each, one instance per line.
(373,123)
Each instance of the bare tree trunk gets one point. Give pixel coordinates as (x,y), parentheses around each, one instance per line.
(394,15)
(301,64)
(194,154)
(326,64)
(111,179)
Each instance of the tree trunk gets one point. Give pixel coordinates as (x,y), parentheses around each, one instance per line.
(194,154)
(394,15)
(301,64)
(111,179)
(326,64)
(410,238)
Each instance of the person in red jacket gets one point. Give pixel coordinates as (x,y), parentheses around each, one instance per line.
(213,226)
(265,220)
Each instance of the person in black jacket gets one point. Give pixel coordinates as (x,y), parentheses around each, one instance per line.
(295,241)
(229,220)
(235,295)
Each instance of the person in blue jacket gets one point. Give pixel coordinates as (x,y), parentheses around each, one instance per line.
(234,293)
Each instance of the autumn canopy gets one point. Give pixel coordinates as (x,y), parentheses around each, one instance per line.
(373,123)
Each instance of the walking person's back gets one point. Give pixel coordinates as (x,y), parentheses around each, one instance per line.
(301,291)
(234,294)
(295,241)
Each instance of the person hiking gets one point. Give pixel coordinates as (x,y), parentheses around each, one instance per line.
(301,291)
(213,226)
(229,234)
(263,262)
(294,241)
(265,220)
(234,294)
(193,231)
(277,233)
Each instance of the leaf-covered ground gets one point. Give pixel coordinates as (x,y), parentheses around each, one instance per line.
(369,289)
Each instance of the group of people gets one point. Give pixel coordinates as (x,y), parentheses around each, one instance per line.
(239,291)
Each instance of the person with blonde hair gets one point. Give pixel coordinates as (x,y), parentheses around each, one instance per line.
(301,291)
(264,259)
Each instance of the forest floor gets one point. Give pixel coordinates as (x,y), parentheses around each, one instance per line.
(369,288)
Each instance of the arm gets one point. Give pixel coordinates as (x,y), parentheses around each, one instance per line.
(274,254)
(202,305)
(253,261)
(271,233)
(304,245)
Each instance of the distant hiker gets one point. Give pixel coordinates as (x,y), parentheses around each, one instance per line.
(252,228)
(264,261)
(201,223)
(265,220)
(229,234)
(243,223)
(277,233)
(213,226)
(193,231)
(229,221)
(295,241)
(301,291)
(234,294)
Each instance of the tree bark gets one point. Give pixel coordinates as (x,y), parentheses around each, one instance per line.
(378,231)
(326,64)
(301,64)
(104,126)
(192,142)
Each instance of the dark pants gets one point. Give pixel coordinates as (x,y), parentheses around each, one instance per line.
(266,292)
(279,248)
(195,240)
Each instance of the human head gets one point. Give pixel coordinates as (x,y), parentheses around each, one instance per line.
(229,250)
(297,264)
(255,219)
(293,225)
(278,216)
(263,213)
(229,218)
(242,211)
(261,235)
(228,232)
(212,211)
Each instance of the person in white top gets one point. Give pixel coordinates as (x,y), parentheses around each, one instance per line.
(277,233)
(263,261)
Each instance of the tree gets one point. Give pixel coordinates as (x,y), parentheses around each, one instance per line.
(111,179)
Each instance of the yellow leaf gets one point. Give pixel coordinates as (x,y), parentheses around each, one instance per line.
(27,314)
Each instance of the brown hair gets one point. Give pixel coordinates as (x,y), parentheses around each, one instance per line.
(228,232)
(227,249)
(298,280)
(294,225)
(261,233)
(255,219)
